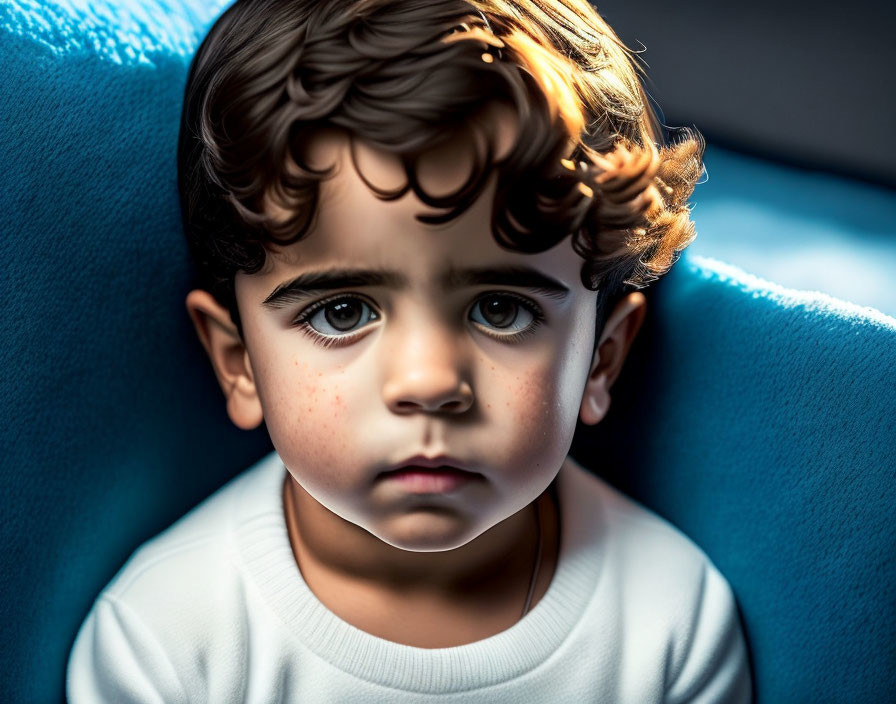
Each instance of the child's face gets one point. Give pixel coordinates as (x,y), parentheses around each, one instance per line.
(417,364)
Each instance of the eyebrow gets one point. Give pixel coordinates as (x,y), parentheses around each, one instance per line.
(314,282)
(521,276)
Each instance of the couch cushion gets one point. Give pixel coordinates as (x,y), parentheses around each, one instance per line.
(758,420)
(762,421)
(113,424)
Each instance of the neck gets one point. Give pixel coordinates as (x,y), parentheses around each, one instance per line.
(327,545)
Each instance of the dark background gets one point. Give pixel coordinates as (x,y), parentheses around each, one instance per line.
(809,84)
(796,102)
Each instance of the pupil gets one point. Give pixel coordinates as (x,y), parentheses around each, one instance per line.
(500,312)
(343,316)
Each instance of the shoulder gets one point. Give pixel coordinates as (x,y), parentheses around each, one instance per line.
(639,542)
(652,560)
(178,596)
(672,599)
(200,543)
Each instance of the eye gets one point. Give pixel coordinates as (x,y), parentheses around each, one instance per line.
(335,317)
(512,315)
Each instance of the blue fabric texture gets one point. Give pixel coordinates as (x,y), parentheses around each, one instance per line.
(800,228)
(107,397)
(759,420)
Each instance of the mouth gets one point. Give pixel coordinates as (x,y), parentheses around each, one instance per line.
(435,475)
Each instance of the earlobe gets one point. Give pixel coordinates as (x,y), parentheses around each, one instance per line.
(229,357)
(244,410)
(596,400)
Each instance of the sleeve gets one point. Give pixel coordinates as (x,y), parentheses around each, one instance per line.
(715,669)
(116,658)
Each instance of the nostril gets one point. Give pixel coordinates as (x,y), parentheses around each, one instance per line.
(408,397)
(449,406)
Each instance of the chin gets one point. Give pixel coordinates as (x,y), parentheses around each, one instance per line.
(428,533)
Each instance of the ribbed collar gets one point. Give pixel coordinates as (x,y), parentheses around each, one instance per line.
(263,542)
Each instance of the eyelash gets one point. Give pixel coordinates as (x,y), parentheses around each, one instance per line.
(303,324)
(534,310)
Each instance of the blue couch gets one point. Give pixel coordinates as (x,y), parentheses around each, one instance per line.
(760,420)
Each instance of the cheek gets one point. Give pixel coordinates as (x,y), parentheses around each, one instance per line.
(309,415)
(541,407)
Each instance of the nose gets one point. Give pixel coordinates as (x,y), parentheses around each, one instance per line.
(426,373)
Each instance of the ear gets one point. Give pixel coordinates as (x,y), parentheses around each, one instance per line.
(612,348)
(229,357)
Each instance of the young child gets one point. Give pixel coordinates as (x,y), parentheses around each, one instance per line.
(419,228)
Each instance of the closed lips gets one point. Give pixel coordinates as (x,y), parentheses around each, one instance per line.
(442,469)
(440,462)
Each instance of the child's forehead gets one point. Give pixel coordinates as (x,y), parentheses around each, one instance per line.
(353,223)
(355,229)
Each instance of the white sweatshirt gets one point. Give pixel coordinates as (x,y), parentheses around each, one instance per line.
(215,609)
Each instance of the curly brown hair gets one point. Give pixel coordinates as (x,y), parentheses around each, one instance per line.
(590,157)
